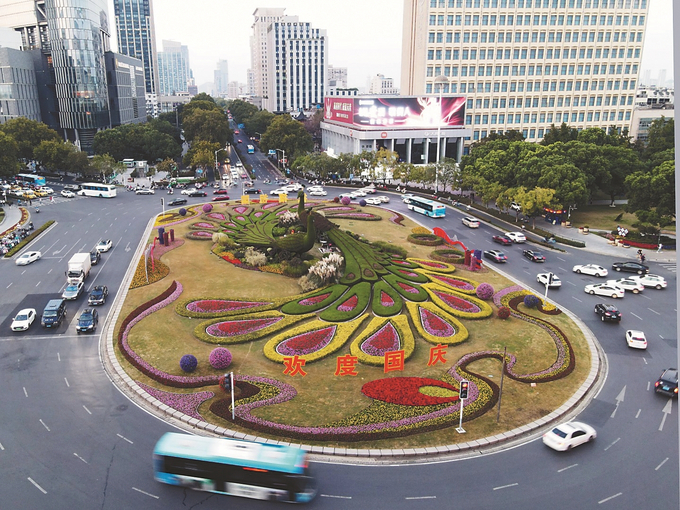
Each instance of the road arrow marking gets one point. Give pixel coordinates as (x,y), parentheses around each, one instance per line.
(619,399)
(666,411)
(57,252)
(127,248)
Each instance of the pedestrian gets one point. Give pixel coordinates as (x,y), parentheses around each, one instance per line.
(658,250)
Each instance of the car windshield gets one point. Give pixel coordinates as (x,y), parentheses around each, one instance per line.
(86,316)
(50,313)
(559,432)
(71,288)
(22,317)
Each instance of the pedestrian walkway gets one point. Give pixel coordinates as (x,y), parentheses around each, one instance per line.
(11,218)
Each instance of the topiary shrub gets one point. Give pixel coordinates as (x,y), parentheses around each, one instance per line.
(188,363)
(425,239)
(182,212)
(336,200)
(362,202)
(207,208)
(485,291)
(346,200)
(503,312)
(220,358)
(531,301)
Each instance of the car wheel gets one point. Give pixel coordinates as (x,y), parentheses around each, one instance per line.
(578,271)
(636,291)
(639,271)
(658,287)
(618,269)
(614,296)
(592,292)
(597,275)
(602,318)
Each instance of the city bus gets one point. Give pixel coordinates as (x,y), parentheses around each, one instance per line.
(36,180)
(251,149)
(427,207)
(234,467)
(95,189)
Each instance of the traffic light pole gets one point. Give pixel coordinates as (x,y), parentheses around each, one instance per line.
(463,394)
(231,375)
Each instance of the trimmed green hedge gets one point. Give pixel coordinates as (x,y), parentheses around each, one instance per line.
(376,304)
(425,239)
(30,238)
(418,278)
(448,255)
(362,291)
(295,308)
(390,248)
(397,282)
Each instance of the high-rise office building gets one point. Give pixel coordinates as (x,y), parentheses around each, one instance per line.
(296,66)
(137,37)
(337,77)
(173,69)
(222,78)
(264,17)
(525,65)
(69,38)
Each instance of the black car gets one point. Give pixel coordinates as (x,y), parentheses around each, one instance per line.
(98,295)
(87,321)
(252,191)
(177,201)
(198,193)
(631,267)
(495,255)
(607,312)
(668,383)
(95,257)
(534,256)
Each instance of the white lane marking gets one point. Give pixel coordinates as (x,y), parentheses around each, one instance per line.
(610,497)
(125,439)
(46,427)
(662,463)
(67,384)
(638,413)
(661,336)
(568,467)
(421,497)
(619,398)
(36,485)
(612,444)
(23,271)
(646,297)
(505,486)
(2,447)
(560,258)
(653,311)
(25,392)
(48,272)
(562,269)
(88,411)
(58,357)
(577,299)
(145,493)
(10,284)
(645,360)
(636,315)
(74,453)
(37,284)
(648,385)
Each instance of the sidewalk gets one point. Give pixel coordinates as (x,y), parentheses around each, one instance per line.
(11,218)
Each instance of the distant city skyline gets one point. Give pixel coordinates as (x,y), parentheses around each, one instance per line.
(365,36)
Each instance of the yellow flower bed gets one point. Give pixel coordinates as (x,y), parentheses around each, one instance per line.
(159,272)
(420,230)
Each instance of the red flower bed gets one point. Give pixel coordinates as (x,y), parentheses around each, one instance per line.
(221,305)
(385,299)
(434,324)
(306,343)
(405,391)
(313,300)
(349,305)
(452,282)
(384,340)
(408,288)
(457,303)
(240,327)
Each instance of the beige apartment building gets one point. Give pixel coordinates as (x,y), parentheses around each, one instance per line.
(527,64)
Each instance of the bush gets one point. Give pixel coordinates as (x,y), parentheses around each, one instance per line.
(220,358)
(188,363)
(425,239)
(362,202)
(448,255)
(485,291)
(182,212)
(336,200)
(207,208)
(346,200)
(254,258)
(279,231)
(503,312)
(391,249)
(531,301)
(307,284)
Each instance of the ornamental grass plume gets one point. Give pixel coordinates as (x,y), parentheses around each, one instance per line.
(288,219)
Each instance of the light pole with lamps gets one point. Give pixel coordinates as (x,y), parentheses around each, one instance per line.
(282,159)
(440,80)
(218,150)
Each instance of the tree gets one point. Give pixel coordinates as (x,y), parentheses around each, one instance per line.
(194,104)
(201,154)
(449,174)
(112,142)
(53,154)
(289,135)
(206,125)
(651,194)
(105,166)
(660,138)
(313,124)
(9,151)
(163,126)
(259,121)
(77,162)
(534,201)
(386,161)
(241,110)
(562,134)
(28,134)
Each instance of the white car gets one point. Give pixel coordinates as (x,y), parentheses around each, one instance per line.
(23,319)
(369,190)
(104,245)
(628,284)
(348,195)
(604,289)
(280,191)
(47,189)
(383,198)
(569,435)
(314,188)
(188,191)
(28,258)
(293,187)
(358,193)
(651,280)
(67,194)
(471,222)
(317,193)
(591,269)
(545,278)
(407,196)
(373,201)
(145,191)
(636,339)
(516,237)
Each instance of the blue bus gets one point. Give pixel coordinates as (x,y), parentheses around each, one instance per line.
(36,180)
(231,466)
(427,207)
(251,149)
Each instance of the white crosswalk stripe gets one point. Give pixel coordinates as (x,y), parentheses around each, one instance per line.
(670,266)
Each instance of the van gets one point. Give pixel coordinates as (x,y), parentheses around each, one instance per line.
(54,313)
(471,222)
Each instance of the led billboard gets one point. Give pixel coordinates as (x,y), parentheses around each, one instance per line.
(410,112)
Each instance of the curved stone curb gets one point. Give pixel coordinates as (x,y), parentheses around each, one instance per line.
(573,406)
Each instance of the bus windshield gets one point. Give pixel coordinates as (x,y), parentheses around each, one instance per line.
(230,466)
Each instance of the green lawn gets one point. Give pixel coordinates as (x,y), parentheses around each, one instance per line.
(603,217)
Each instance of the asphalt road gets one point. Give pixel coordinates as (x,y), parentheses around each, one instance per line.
(70,439)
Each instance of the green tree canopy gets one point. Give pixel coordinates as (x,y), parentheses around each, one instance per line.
(104,164)
(201,154)
(651,194)
(288,135)
(28,134)
(242,110)
(136,141)
(562,134)
(206,125)
(259,121)
(53,154)
(9,151)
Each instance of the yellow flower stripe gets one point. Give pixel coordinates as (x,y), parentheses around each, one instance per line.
(461,331)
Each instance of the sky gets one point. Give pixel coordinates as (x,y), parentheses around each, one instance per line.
(363,35)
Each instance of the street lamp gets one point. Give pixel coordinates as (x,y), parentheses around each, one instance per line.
(282,159)
(440,80)
(218,150)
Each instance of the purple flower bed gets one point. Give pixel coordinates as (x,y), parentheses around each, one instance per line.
(185,403)
(384,340)
(220,358)
(502,293)
(307,343)
(434,324)
(240,327)
(221,305)
(353,215)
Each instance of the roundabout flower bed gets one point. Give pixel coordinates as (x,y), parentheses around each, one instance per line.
(405,391)
(200,235)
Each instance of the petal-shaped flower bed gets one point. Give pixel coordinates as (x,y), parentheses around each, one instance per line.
(339,208)
(311,341)
(238,327)
(435,325)
(397,218)
(185,402)
(407,391)
(200,235)
(203,225)
(431,265)
(407,274)
(404,263)
(258,214)
(207,308)
(460,305)
(405,289)
(240,209)
(464,285)
(354,216)
(245,328)
(315,301)
(350,305)
(383,335)
(216,216)
(386,301)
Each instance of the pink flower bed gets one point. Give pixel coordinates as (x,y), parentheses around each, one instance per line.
(203,224)
(185,403)
(240,327)
(313,300)
(240,209)
(430,263)
(338,208)
(349,305)
(408,273)
(270,205)
(221,305)
(162,249)
(384,340)
(434,324)
(457,303)
(408,288)
(501,293)
(397,218)
(200,233)
(385,299)
(307,343)
(217,216)
(453,282)
(258,214)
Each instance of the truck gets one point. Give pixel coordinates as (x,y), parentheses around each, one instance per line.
(78,268)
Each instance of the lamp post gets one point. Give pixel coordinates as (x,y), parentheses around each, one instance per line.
(282,159)
(440,80)
(218,150)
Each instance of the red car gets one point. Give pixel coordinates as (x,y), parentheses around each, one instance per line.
(220,192)
(240,141)
(505,241)
(220,198)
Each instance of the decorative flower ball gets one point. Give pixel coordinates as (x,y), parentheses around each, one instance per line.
(220,358)
(207,208)
(346,200)
(531,301)
(182,212)
(336,200)
(188,363)
(484,291)
(362,202)
(503,312)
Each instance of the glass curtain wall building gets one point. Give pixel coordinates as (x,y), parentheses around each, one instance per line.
(173,69)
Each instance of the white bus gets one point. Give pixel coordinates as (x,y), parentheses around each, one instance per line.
(426,206)
(94,189)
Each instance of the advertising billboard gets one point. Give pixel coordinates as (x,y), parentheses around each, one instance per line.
(422,112)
